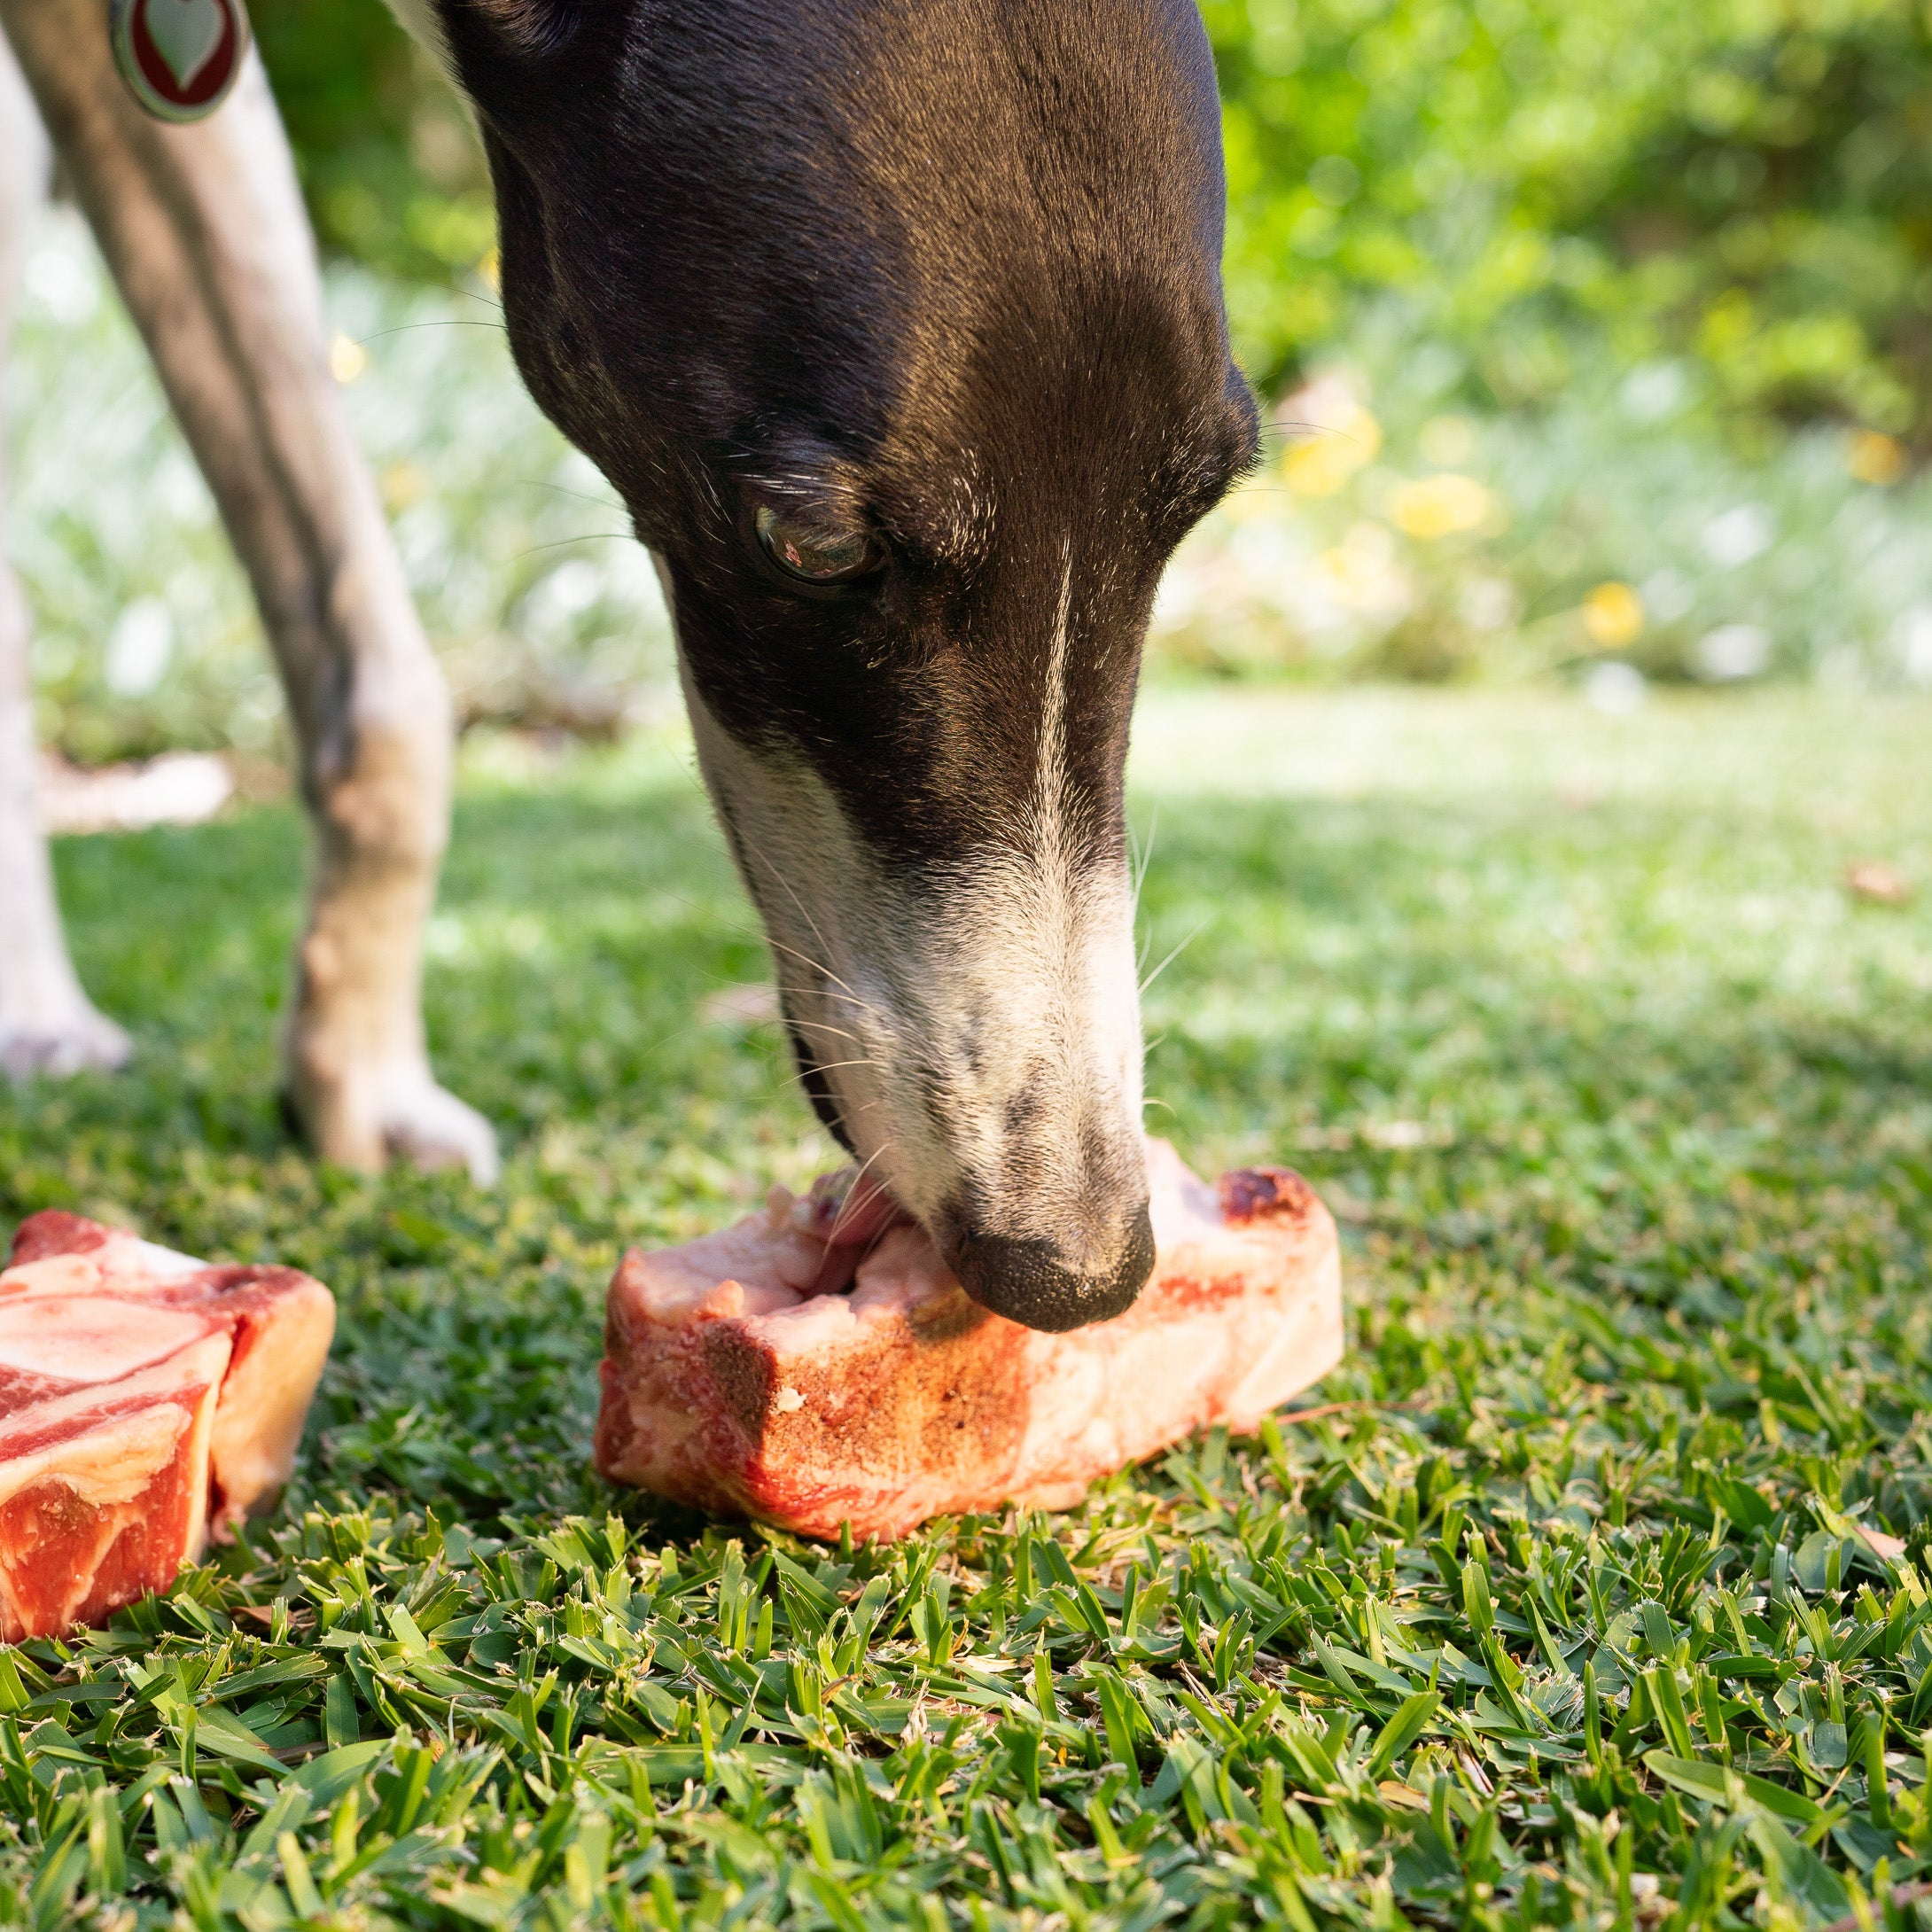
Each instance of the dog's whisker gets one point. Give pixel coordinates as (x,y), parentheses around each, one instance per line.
(872,1246)
(805,912)
(409,328)
(853,999)
(589,536)
(825,1027)
(1173,955)
(1139,858)
(852,1195)
(818,966)
(834,991)
(827,1066)
(559,489)
(466,294)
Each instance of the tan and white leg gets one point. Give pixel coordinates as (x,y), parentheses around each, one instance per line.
(47,1025)
(204,228)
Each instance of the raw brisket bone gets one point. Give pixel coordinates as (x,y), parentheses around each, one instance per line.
(144,1398)
(729,1385)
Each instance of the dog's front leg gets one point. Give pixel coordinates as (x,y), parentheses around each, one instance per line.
(47,1025)
(204,231)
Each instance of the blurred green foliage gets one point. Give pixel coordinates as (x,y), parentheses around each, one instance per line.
(1540,183)
(545,613)
(392,168)
(1749,181)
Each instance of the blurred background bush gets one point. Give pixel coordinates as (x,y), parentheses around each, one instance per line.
(1542,185)
(1596,340)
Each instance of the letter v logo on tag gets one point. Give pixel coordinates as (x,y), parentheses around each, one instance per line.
(179,58)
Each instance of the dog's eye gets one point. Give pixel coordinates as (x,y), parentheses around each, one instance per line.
(811,555)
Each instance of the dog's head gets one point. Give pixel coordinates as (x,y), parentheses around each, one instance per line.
(898,324)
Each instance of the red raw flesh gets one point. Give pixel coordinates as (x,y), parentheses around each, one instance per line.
(144,1399)
(733,1383)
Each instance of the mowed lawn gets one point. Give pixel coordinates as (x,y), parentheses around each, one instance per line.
(1560,1612)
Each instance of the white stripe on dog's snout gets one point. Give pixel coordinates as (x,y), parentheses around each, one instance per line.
(1040,976)
(979,1029)
(1049,829)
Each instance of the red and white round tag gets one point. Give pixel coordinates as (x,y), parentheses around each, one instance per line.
(179,58)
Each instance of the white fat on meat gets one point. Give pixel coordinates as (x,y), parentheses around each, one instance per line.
(89,1338)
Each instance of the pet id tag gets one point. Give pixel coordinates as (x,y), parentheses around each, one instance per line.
(179,58)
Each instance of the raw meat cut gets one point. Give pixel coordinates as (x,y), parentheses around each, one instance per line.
(733,1381)
(144,1399)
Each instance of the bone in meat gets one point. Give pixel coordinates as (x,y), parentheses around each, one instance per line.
(729,1385)
(144,1399)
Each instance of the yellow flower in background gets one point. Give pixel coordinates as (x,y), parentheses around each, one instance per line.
(1253,501)
(1872,456)
(347,359)
(1330,454)
(1613,614)
(1361,572)
(1447,440)
(1440,506)
(403,483)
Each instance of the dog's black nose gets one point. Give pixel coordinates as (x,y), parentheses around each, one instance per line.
(1039,1284)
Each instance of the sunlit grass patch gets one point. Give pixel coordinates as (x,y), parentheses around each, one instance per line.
(1562,1612)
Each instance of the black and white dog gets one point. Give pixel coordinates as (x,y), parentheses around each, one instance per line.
(898,326)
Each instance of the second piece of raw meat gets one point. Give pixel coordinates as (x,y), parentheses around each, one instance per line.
(146,1399)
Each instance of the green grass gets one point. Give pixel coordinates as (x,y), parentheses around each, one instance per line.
(1627,1109)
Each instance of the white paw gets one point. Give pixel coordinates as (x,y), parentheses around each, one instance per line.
(428,1126)
(54,1045)
(363,1113)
